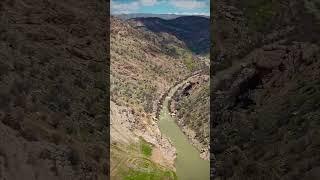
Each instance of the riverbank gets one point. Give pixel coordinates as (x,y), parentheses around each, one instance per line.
(188,163)
(188,107)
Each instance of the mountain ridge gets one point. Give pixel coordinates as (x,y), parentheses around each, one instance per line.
(163,16)
(192,30)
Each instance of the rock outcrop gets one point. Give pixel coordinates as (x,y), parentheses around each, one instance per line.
(265,91)
(53,118)
(190,106)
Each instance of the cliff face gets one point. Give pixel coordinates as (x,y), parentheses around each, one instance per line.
(53,90)
(265,90)
(190,106)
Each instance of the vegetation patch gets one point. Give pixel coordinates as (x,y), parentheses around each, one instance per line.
(313,7)
(260,13)
(133,162)
(153,175)
(183,54)
(145,148)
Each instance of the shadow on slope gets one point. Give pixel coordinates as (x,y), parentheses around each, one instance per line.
(192,30)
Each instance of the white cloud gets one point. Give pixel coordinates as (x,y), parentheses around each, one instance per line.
(188,4)
(191,13)
(130,7)
(124,8)
(134,6)
(148,2)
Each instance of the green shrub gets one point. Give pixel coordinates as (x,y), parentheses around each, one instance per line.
(139,175)
(146,148)
(260,13)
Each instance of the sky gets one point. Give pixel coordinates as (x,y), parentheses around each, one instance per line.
(188,7)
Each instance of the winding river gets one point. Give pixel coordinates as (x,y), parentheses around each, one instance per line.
(189,165)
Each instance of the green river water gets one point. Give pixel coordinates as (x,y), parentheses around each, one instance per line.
(189,165)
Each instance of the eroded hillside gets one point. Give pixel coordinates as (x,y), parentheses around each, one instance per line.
(53,118)
(143,68)
(265,94)
(190,105)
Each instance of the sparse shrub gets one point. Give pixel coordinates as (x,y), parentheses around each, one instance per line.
(105,168)
(56,138)
(20,86)
(31,159)
(58,99)
(148,103)
(69,130)
(12,122)
(260,13)
(45,154)
(20,100)
(4,69)
(101,84)
(19,66)
(96,152)
(79,83)
(96,67)
(56,119)
(4,100)
(54,169)
(29,134)
(34,72)
(146,148)
(44,60)
(5,157)
(74,157)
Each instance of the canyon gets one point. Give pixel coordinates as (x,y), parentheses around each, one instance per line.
(145,65)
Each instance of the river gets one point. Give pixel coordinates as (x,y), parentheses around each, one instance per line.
(189,165)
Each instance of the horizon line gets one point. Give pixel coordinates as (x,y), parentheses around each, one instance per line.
(194,14)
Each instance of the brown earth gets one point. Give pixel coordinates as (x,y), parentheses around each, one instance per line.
(264,91)
(53,120)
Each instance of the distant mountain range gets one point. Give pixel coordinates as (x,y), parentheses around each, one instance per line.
(192,30)
(162,16)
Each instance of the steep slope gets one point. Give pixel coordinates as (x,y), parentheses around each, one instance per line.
(190,106)
(53,122)
(193,109)
(265,94)
(192,30)
(142,70)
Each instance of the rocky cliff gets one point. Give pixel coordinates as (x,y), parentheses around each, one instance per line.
(190,106)
(264,90)
(53,118)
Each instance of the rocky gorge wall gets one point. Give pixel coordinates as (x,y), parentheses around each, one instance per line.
(265,90)
(53,90)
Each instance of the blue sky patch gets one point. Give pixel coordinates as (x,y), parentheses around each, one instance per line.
(185,7)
